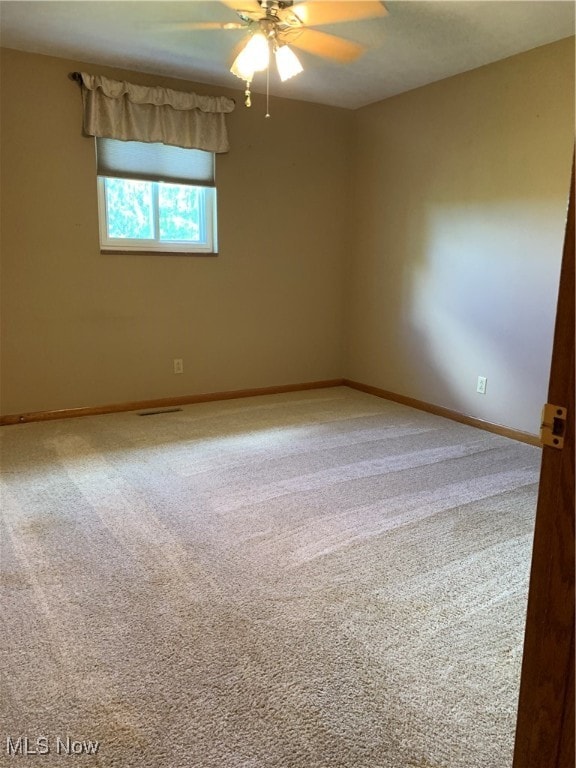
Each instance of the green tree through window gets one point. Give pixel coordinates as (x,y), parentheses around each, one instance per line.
(129,209)
(179,212)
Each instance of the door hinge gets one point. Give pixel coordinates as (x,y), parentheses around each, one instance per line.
(553,426)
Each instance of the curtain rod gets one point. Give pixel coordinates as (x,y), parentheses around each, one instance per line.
(77,77)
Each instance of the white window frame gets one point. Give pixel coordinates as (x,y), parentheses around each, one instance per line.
(208,217)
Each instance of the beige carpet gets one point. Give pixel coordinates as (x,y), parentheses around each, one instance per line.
(314,580)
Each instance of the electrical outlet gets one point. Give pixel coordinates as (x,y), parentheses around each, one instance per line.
(481,386)
(178,365)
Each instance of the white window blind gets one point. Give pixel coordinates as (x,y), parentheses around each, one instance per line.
(155,162)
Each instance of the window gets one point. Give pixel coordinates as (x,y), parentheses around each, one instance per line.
(155,197)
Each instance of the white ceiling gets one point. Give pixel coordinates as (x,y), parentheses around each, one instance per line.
(417,43)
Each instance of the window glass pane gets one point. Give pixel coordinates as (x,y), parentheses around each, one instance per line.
(180,212)
(129,209)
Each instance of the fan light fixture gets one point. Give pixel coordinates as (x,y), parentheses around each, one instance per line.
(287,63)
(255,57)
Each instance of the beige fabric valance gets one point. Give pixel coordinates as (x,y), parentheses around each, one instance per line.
(116,109)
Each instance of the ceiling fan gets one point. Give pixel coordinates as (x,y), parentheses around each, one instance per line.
(275,25)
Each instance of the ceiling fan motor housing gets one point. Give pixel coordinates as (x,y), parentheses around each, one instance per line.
(275,5)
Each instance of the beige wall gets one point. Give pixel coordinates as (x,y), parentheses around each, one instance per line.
(436,261)
(461,190)
(82,329)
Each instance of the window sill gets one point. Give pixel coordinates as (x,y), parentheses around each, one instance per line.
(134,252)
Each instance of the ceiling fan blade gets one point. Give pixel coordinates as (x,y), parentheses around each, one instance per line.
(192,25)
(250,6)
(322,44)
(315,13)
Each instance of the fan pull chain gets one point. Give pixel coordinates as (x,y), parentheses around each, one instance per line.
(247,100)
(267,92)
